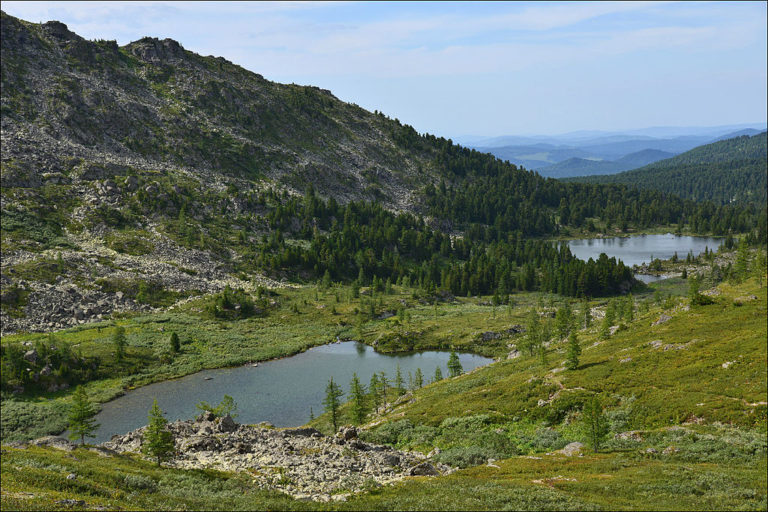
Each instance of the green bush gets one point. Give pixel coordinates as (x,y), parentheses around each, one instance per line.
(233,305)
(547,439)
(465,456)
(128,243)
(391,433)
(140,483)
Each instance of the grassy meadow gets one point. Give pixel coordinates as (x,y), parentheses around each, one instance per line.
(690,391)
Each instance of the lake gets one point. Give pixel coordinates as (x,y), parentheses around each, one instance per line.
(280,391)
(636,250)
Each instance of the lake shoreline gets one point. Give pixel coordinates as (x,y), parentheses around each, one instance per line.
(280,391)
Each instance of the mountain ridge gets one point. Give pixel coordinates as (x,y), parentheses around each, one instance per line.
(135,177)
(728,170)
(577,166)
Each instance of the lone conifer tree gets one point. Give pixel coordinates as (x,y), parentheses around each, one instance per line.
(383,387)
(438,375)
(595,422)
(454,365)
(359,408)
(533,338)
(418,378)
(374,392)
(574,351)
(118,340)
(564,320)
(331,402)
(399,382)
(81,422)
(158,441)
(175,343)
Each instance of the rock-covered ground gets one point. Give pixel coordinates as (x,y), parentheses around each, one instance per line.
(301,462)
(75,297)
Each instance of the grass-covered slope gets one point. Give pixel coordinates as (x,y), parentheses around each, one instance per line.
(695,431)
(706,363)
(731,170)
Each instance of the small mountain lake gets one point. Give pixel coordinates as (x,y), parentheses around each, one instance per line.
(639,249)
(280,391)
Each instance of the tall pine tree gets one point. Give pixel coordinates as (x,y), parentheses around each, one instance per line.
(158,441)
(359,406)
(332,402)
(81,422)
(454,365)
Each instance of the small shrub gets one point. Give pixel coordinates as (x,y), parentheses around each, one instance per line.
(547,439)
(464,456)
(140,483)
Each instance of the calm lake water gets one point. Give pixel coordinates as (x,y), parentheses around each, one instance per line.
(280,391)
(636,250)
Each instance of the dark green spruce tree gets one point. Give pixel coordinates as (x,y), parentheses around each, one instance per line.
(158,441)
(454,365)
(359,406)
(332,402)
(81,422)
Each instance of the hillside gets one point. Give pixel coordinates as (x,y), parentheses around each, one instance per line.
(688,440)
(727,171)
(585,167)
(96,110)
(165,213)
(136,177)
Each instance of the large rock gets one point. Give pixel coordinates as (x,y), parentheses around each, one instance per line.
(347,433)
(54,442)
(423,469)
(572,449)
(227,424)
(303,432)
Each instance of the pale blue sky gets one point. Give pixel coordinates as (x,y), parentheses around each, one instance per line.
(495,68)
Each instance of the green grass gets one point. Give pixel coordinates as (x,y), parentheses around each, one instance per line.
(667,385)
(299,319)
(35,479)
(493,412)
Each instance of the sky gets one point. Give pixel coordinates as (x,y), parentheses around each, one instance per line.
(457,69)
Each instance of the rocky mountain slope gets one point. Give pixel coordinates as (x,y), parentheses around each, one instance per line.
(92,132)
(76,111)
(139,176)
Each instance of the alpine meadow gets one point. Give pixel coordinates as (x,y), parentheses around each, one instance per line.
(225,292)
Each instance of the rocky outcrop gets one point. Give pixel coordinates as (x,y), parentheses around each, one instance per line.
(300,462)
(76,297)
(571,450)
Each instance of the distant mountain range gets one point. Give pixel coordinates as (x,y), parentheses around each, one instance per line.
(583,167)
(725,171)
(594,153)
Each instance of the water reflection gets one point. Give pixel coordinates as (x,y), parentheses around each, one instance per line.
(280,391)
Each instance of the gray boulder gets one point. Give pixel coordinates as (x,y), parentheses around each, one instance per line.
(571,450)
(31,355)
(348,433)
(423,469)
(302,432)
(54,442)
(227,424)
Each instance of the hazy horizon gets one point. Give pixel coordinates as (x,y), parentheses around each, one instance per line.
(460,70)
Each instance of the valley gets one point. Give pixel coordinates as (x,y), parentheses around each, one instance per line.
(387,320)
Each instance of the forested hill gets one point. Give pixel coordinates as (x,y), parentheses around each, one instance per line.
(153,172)
(726,171)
